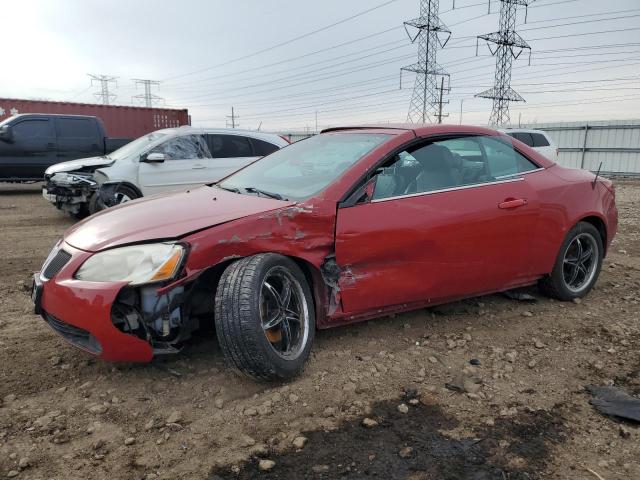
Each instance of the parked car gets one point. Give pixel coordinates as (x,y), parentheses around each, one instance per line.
(345,226)
(165,160)
(30,143)
(536,139)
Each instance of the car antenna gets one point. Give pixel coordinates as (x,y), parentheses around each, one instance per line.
(597,175)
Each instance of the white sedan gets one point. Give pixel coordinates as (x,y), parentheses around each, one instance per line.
(161,161)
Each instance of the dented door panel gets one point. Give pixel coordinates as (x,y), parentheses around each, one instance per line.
(435,246)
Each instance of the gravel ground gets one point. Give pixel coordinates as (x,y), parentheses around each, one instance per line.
(521,413)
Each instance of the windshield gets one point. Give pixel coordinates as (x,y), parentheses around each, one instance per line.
(305,168)
(137,146)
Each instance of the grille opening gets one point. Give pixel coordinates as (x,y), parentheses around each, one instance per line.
(55,265)
(74,335)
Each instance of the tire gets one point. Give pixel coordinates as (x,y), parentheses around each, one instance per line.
(244,298)
(123,194)
(82,213)
(558,283)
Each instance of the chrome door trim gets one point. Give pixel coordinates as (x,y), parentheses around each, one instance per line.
(451,189)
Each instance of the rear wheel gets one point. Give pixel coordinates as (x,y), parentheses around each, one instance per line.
(578,264)
(264,316)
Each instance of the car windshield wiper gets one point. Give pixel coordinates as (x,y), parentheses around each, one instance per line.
(277,196)
(228,189)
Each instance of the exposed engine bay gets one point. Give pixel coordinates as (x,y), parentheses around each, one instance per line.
(70,191)
(165,319)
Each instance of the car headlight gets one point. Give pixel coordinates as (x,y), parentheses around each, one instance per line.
(137,264)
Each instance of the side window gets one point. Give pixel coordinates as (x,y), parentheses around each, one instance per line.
(449,164)
(76,128)
(435,166)
(229,146)
(503,160)
(539,140)
(184,148)
(29,129)
(262,148)
(524,137)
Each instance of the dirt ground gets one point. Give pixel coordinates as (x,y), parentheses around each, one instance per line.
(522,413)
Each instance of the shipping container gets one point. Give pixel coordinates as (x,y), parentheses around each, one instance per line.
(119,121)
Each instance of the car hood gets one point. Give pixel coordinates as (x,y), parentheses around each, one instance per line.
(73,165)
(165,217)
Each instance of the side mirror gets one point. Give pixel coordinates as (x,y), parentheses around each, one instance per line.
(153,157)
(6,133)
(362,194)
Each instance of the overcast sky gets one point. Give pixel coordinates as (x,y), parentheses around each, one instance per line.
(206,53)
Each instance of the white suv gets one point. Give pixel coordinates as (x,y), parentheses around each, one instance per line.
(161,161)
(536,139)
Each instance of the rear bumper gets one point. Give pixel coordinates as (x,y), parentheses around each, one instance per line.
(80,312)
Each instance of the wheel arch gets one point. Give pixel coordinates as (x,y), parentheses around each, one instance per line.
(211,278)
(600,225)
(132,187)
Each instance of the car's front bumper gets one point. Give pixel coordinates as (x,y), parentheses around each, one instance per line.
(80,312)
(69,197)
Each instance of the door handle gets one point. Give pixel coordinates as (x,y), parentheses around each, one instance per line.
(51,146)
(198,167)
(512,203)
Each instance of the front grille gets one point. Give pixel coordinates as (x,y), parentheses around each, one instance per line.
(55,264)
(74,335)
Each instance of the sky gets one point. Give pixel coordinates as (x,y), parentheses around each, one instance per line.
(291,66)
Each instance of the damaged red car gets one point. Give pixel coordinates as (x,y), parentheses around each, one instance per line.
(345,226)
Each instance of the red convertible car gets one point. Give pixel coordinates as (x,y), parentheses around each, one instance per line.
(345,226)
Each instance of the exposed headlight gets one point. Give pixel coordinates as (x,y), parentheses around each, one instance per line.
(138,264)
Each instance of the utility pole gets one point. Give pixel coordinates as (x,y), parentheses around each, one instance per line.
(316,121)
(440,102)
(104,95)
(426,31)
(461,102)
(148,97)
(233,119)
(509,46)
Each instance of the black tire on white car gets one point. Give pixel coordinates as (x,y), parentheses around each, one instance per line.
(123,194)
(264,316)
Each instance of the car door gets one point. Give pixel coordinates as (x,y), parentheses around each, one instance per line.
(32,150)
(229,153)
(437,227)
(78,138)
(184,166)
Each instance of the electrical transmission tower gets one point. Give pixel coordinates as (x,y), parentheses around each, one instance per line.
(509,46)
(104,95)
(427,98)
(148,97)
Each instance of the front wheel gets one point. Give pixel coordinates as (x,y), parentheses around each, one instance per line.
(122,194)
(264,316)
(578,264)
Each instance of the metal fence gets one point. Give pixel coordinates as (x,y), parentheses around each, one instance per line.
(615,144)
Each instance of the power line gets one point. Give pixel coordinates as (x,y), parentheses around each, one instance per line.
(286,42)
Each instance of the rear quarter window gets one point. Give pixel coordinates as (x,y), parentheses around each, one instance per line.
(262,148)
(524,137)
(539,140)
